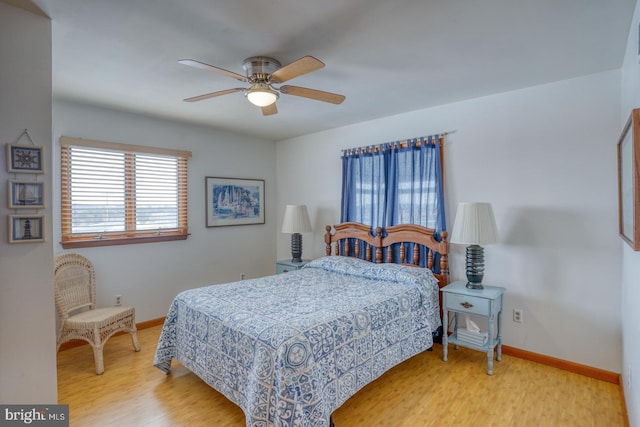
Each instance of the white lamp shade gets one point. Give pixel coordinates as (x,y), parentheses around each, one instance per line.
(262,98)
(296,219)
(474,224)
(261,95)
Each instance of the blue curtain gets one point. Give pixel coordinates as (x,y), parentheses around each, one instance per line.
(414,185)
(392,185)
(364,187)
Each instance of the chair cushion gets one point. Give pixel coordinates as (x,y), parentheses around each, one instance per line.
(100,315)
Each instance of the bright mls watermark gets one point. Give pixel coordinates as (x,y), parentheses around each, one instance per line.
(36,415)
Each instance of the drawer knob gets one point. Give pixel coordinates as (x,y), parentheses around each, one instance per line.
(466,304)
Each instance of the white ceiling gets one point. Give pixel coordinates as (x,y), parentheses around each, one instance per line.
(386,57)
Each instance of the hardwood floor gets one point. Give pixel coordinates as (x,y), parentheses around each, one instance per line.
(423,391)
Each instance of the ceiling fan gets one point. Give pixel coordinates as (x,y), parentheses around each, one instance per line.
(262,73)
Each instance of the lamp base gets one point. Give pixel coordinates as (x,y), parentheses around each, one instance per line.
(471,285)
(475,266)
(296,247)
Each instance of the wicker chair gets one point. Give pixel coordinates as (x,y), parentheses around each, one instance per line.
(75,293)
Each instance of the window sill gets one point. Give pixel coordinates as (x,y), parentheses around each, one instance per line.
(116,241)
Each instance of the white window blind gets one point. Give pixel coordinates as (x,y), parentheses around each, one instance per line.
(119,193)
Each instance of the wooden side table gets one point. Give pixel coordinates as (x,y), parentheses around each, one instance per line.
(485,303)
(284,266)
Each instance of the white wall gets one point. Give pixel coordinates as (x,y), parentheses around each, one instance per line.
(631,259)
(27,333)
(543,157)
(149,275)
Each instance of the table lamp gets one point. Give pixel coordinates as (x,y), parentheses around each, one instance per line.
(296,221)
(474,225)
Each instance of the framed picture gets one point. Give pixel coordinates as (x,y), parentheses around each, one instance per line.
(24,159)
(232,201)
(23,194)
(629,181)
(26,228)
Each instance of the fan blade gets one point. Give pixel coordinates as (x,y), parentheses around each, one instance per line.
(269,110)
(319,95)
(203,66)
(297,68)
(213,94)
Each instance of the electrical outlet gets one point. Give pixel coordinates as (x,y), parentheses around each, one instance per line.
(517,315)
(117,300)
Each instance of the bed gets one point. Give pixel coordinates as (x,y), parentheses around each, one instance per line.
(291,348)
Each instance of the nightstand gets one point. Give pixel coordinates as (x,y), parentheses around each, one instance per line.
(286,265)
(485,303)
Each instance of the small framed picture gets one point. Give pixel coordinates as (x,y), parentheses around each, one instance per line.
(233,201)
(26,228)
(629,181)
(23,194)
(24,159)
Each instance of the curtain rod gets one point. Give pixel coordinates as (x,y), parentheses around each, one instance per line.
(401,144)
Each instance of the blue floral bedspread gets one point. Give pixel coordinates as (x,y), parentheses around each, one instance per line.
(289,349)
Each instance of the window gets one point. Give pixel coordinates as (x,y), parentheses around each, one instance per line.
(115,194)
(394,184)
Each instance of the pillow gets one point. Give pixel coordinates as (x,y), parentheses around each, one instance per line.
(388,272)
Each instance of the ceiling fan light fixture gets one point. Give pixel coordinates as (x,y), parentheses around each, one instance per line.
(261,73)
(261,95)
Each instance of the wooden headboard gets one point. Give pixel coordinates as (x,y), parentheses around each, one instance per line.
(377,246)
